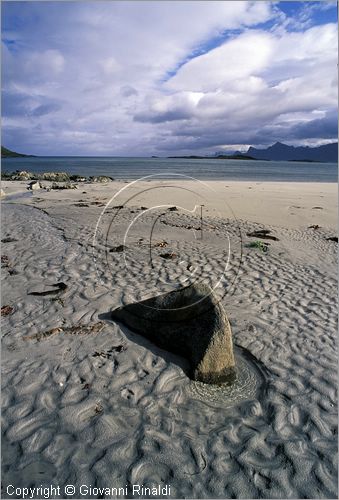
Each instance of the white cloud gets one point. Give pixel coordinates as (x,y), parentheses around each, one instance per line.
(99,72)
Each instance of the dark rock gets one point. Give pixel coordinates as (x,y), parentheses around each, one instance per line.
(119,248)
(171,255)
(333,238)
(190,322)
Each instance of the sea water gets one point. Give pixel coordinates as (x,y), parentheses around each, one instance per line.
(205,169)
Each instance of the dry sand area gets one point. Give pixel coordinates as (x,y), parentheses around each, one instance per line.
(85,401)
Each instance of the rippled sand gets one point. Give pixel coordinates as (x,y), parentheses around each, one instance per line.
(85,401)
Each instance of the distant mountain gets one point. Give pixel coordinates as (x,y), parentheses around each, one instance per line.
(283,152)
(7,153)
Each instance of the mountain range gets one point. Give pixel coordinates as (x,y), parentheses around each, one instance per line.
(283,152)
(276,152)
(7,153)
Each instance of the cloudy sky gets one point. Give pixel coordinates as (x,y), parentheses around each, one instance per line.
(161,78)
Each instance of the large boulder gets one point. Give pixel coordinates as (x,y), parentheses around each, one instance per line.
(22,176)
(190,322)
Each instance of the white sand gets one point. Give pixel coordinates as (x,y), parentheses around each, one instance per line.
(78,409)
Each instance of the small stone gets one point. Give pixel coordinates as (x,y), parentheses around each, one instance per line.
(34,185)
(101,178)
(6,310)
(119,248)
(171,255)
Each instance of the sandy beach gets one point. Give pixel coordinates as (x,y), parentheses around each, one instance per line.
(86,402)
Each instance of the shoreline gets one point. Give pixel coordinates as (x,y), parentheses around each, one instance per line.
(290,204)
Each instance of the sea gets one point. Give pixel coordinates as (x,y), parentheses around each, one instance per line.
(168,168)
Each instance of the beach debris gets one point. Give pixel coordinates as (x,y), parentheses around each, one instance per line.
(86,387)
(143,208)
(81,204)
(59,287)
(161,244)
(43,335)
(7,310)
(262,233)
(190,322)
(5,261)
(2,193)
(118,348)
(184,226)
(98,408)
(172,209)
(317,208)
(108,354)
(314,226)
(261,245)
(119,248)
(333,238)
(71,330)
(170,255)
(101,354)
(34,185)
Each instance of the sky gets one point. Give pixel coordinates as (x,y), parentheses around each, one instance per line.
(134,78)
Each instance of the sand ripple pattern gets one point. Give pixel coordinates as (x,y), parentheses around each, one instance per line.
(128,413)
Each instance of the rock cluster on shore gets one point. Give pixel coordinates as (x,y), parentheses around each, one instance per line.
(52,176)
